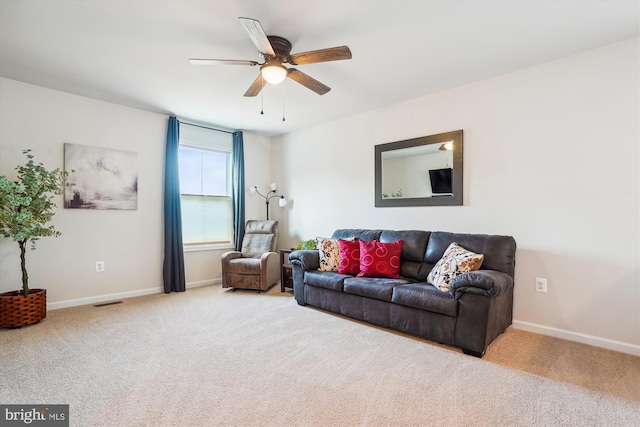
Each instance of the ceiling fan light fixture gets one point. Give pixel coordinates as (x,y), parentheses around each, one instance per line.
(273,72)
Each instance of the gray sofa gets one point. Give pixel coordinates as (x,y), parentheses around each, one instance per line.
(477,308)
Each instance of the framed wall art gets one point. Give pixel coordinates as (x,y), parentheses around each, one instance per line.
(102,179)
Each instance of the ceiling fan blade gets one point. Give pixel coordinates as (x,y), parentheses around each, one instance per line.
(221,62)
(308,82)
(257,35)
(323,55)
(256,86)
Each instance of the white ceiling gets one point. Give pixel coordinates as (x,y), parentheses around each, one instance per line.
(136,53)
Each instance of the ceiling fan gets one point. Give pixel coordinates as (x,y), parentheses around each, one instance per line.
(276,51)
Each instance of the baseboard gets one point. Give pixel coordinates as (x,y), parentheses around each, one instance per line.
(203,283)
(102,298)
(619,346)
(123,295)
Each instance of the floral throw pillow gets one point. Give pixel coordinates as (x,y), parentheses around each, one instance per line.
(456,260)
(378,259)
(329,254)
(349,257)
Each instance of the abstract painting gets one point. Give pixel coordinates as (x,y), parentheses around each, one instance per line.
(102,178)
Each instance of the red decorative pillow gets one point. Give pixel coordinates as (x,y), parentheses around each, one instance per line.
(349,257)
(379,259)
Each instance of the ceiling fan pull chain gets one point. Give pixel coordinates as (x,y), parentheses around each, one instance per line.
(284,92)
(262,99)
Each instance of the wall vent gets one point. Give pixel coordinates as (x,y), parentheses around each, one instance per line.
(104,304)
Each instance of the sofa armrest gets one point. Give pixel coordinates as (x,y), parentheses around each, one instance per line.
(305,259)
(485,308)
(302,261)
(489,283)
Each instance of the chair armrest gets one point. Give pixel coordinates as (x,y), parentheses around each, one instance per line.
(267,257)
(305,259)
(269,269)
(489,283)
(228,256)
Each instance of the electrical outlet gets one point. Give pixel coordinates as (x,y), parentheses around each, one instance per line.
(99,266)
(541,285)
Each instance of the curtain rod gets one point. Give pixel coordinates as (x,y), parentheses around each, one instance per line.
(204,127)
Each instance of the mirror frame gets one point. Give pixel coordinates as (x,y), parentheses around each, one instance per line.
(454,200)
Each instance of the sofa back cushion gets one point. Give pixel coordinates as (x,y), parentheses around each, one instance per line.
(414,245)
(499,251)
(358,233)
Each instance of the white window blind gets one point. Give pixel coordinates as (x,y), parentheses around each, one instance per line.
(204,159)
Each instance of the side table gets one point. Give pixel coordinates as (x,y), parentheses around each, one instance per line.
(286,271)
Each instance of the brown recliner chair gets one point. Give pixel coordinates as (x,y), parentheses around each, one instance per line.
(258,265)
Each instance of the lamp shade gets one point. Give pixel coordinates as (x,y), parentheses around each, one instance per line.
(282,202)
(273,186)
(273,72)
(253,189)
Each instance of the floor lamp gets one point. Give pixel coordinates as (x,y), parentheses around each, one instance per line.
(281,202)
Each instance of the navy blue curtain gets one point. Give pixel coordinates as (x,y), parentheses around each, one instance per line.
(237,191)
(173,266)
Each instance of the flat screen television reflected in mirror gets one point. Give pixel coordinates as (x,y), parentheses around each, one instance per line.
(441,181)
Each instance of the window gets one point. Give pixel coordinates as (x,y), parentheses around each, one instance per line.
(204,159)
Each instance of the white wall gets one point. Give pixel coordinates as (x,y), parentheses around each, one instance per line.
(551,156)
(129,242)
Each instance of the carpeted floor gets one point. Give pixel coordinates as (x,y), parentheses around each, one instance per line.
(212,357)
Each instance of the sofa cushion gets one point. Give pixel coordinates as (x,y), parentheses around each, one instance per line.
(414,242)
(349,257)
(414,245)
(425,297)
(358,233)
(329,252)
(325,279)
(380,259)
(499,251)
(455,260)
(372,287)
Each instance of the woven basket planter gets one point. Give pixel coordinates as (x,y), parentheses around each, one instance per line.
(16,310)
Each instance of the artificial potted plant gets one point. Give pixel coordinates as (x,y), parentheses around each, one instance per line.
(306,244)
(26,206)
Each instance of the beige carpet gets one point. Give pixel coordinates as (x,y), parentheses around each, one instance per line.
(210,357)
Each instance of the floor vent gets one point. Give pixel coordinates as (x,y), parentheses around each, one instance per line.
(104,304)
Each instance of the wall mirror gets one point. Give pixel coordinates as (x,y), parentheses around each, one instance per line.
(425,171)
